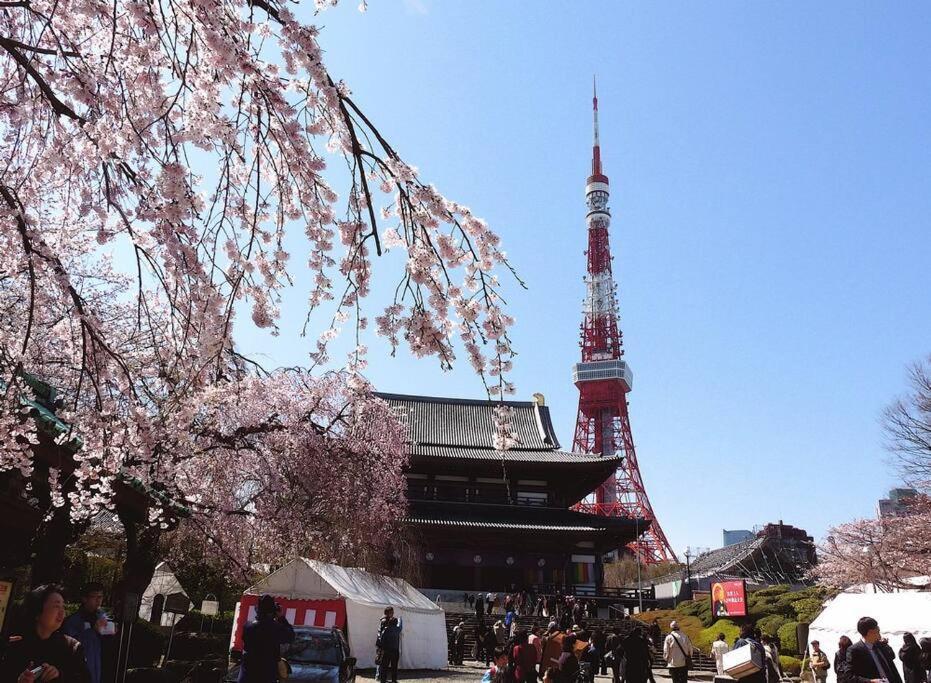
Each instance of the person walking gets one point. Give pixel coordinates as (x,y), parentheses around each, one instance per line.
(479,606)
(459,634)
(818,662)
(748,637)
(524,656)
(869,660)
(261,643)
(498,671)
(388,643)
(840,657)
(490,642)
(925,645)
(718,648)
(87,625)
(568,663)
(599,638)
(910,654)
(614,656)
(677,651)
(772,658)
(501,633)
(42,644)
(637,657)
(537,642)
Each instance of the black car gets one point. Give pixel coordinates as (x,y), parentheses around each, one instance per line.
(317,654)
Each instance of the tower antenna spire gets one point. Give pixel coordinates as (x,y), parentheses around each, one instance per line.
(596,143)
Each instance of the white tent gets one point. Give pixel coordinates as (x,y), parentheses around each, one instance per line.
(897,613)
(423,635)
(163,583)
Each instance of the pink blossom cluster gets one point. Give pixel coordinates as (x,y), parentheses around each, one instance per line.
(886,552)
(153,158)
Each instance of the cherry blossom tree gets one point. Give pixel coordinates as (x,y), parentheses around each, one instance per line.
(889,551)
(153,156)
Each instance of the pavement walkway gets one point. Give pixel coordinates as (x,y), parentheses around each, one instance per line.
(471,672)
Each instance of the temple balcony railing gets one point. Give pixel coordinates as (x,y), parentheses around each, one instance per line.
(489,495)
(583,591)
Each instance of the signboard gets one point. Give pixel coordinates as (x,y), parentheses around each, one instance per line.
(729,599)
(210,608)
(6,590)
(177,603)
(298,612)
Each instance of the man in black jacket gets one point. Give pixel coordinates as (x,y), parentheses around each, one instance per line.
(870,660)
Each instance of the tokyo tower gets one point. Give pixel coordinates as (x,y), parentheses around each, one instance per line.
(603,380)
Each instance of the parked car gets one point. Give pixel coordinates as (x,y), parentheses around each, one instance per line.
(317,654)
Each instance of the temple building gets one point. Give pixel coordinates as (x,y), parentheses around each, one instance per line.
(491,521)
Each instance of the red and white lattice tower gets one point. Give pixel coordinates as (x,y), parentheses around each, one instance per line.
(603,380)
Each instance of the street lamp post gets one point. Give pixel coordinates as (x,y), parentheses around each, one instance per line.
(688,569)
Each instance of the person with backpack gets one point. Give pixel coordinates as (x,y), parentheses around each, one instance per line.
(524,657)
(678,652)
(748,637)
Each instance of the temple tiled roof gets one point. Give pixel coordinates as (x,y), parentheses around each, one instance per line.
(465,428)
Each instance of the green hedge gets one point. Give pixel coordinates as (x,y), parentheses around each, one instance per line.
(730,630)
(788,637)
(790,665)
(807,609)
(771,624)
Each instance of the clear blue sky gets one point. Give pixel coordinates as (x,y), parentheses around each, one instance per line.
(770,167)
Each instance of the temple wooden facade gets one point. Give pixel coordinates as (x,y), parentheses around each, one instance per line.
(491,521)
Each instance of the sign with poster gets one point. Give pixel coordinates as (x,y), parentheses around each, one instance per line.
(6,590)
(729,599)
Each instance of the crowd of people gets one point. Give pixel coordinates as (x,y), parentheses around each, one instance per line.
(558,654)
(871,660)
(528,604)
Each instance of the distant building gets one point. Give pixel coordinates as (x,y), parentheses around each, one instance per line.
(896,505)
(778,553)
(737,536)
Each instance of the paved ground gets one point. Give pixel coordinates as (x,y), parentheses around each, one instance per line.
(471,672)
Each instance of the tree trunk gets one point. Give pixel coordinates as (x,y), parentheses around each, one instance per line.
(141,557)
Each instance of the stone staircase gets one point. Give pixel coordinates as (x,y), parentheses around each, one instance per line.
(622,626)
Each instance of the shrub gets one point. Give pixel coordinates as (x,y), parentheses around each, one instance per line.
(771,624)
(772,591)
(790,665)
(807,609)
(707,636)
(787,636)
(691,626)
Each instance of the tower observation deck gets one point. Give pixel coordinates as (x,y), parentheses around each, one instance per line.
(604,379)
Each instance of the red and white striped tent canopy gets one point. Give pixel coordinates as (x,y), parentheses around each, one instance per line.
(321,594)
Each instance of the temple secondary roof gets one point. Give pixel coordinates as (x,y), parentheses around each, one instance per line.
(509,517)
(465,428)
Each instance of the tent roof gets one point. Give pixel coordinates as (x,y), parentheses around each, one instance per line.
(305,578)
(895,612)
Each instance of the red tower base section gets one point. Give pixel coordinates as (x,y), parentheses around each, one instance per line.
(603,426)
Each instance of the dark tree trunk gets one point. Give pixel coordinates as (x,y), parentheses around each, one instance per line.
(142,541)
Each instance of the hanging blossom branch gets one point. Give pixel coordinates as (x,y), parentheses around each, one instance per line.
(153,156)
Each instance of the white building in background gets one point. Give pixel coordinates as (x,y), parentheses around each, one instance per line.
(151,605)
